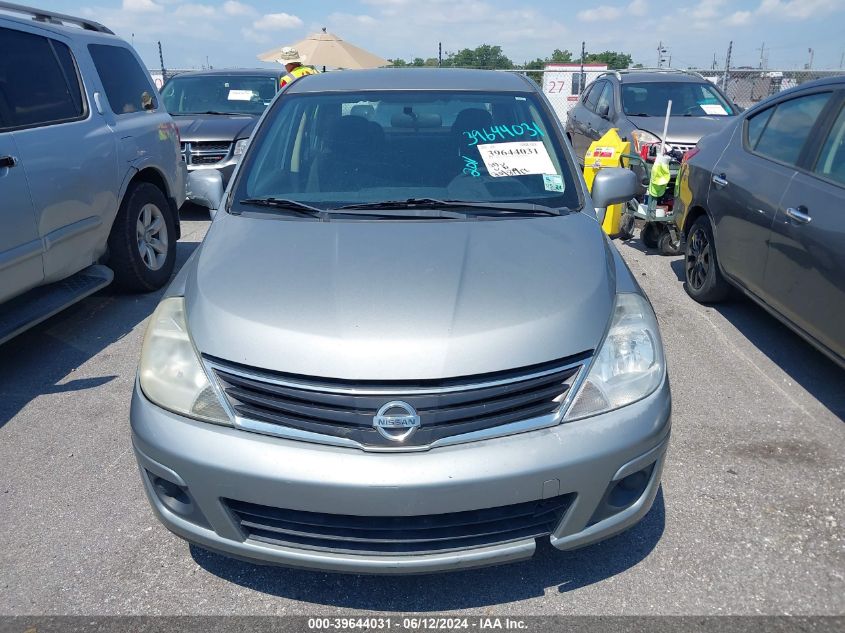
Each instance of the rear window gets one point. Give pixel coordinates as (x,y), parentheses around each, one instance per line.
(126,84)
(328,150)
(39,83)
(688,98)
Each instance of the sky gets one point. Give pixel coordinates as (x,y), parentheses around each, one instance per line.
(230,33)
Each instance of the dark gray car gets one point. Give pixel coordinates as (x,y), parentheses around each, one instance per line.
(634,102)
(763,207)
(405,344)
(216,111)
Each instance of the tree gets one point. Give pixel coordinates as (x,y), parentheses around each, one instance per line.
(557,57)
(484,56)
(418,61)
(613,59)
(398,63)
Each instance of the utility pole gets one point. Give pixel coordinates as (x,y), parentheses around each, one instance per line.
(842,61)
(439,53)
(583,55)
(161,60)
(763,61)
(661,51)
(713,67)
(727,66)
(810,63)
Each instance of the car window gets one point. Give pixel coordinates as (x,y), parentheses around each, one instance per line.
(237,94)
(39,83)
(831,163)
(126,84)
(329,149)
(606,97)
(595,93)
(755,126)
(689,98)
(785,133)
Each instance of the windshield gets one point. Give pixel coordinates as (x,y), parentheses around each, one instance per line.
(688,99)
(331,150)
(218,93)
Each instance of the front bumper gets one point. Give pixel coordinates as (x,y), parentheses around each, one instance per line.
(584,457)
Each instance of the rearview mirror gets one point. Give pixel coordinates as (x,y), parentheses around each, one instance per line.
(604,110)
(611,186)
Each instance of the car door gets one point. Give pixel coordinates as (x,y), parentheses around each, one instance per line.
(805,271)
(601,118)
(750,180)
(20,247)
(67,152)
(582,120)
(131,102)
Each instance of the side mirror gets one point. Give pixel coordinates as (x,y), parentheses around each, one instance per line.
(205,188)
(147,101)
(603,110)
(611,186)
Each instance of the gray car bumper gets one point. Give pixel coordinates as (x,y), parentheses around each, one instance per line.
(584,457)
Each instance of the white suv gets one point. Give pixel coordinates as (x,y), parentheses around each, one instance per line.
(91,175)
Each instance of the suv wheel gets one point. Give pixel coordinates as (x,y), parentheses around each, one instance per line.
(142,244)
(704,281)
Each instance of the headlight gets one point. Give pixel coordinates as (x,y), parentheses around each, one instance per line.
(629,365)
(642,137)
(240,146)
(171,374)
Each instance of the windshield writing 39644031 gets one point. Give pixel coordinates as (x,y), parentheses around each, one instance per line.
(501,132)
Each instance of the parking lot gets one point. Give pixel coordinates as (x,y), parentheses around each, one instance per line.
(749,519)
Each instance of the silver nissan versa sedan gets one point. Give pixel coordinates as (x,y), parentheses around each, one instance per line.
(405,344)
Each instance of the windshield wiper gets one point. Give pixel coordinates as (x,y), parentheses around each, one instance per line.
(434,203)
(209,112)
(288,205)
(639,114)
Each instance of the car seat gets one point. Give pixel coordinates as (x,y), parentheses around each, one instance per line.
(350,159)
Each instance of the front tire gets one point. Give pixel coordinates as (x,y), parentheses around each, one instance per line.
(142,243)
(704,281)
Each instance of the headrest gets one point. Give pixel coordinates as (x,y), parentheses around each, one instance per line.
(350,130)
(363,110)
(472,119)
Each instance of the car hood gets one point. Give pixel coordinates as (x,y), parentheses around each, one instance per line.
(214,127)
(687,130)
(394,300)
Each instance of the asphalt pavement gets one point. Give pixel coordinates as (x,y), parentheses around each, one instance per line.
(749,519)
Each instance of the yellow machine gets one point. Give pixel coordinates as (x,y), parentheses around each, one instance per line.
(607,152)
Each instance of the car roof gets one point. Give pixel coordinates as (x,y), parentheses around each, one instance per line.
(67,30)
(413,79)
(263,72)
(659,77)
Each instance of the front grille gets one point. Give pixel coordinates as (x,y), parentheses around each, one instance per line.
(205,152)
(446,408)
(684,147)
(399,535)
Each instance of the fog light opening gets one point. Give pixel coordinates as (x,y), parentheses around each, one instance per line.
(175,498)
(622,494)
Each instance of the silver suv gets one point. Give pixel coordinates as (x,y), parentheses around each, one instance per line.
(90,167)
(634,102)
(405,344)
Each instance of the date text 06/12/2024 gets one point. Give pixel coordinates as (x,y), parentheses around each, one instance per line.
(416,623)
